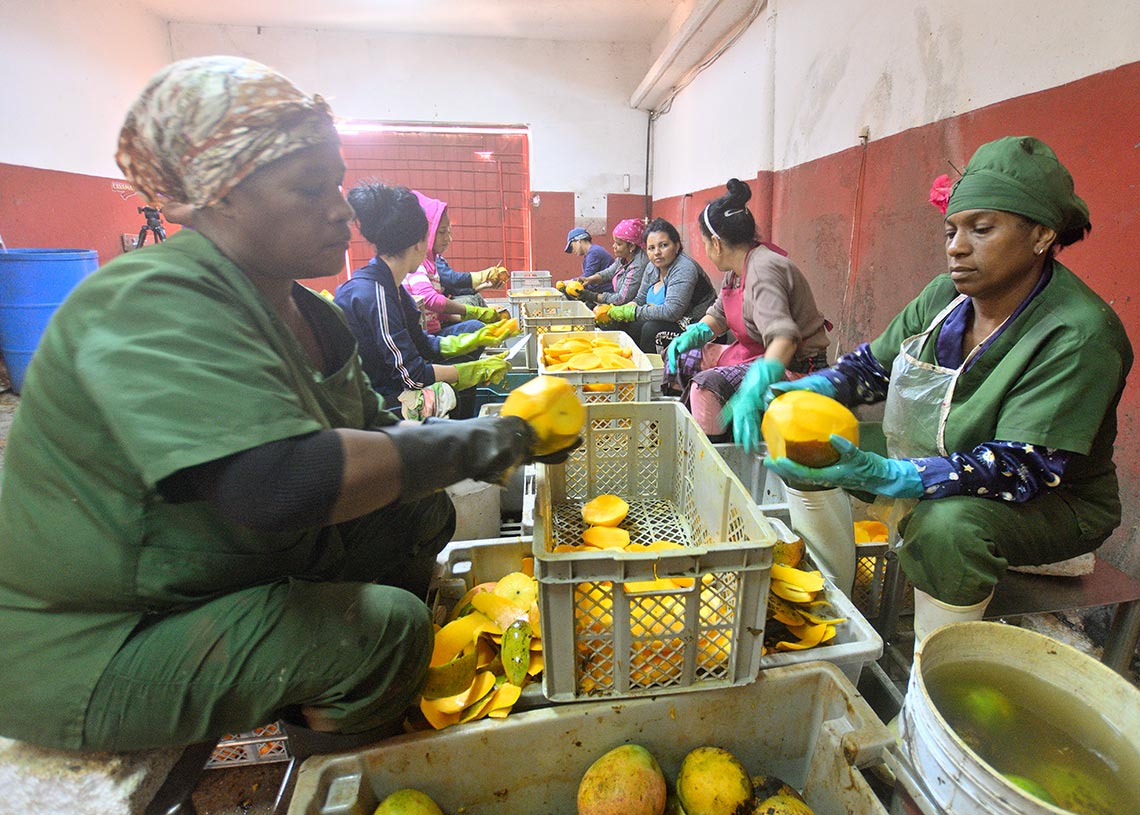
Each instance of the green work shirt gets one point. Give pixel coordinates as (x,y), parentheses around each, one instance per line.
(1053,378)
(164,358)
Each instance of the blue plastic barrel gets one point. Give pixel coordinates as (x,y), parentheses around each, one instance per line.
(33,282)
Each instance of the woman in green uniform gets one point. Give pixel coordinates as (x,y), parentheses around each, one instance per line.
(1001,382)
(207,522)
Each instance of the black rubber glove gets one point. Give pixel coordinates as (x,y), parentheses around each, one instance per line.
(440,452)
(587,296)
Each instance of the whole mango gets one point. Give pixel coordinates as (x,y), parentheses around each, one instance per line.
(625,781)
(782,804)
(408,802)
(712,781)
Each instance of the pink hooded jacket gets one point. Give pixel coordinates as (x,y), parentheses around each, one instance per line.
(423,284)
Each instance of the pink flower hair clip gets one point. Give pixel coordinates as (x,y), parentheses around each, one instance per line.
(940,192)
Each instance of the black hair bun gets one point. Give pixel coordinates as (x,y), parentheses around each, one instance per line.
(739,193)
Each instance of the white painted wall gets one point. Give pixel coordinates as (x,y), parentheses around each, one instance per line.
(888,64)
(69,71)
(573,96)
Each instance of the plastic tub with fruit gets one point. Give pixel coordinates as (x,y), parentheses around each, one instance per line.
(805,724)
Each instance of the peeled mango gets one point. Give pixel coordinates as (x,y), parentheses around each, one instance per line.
(550,405)
(408,802)
(712,781)
(799,425)
(625,781)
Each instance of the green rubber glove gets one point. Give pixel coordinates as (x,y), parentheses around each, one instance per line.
(482,371)
(695,336)
(456,344)
(625,313)
(856,470)
(484,314)
(747,405)
(813,382)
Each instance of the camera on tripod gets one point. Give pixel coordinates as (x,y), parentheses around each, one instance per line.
(152,226)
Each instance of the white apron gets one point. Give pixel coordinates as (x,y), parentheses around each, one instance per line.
(917,407)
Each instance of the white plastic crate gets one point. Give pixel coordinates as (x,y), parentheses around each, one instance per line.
(549,316)
(530,279)
(805,724)
(516,297)
(603,638)
(601,386)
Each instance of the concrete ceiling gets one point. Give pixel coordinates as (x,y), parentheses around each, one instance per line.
(604,20)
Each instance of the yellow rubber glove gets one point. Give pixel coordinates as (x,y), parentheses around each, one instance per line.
(484,314)
(482,371)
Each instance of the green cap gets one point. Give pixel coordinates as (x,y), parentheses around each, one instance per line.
(1020,174)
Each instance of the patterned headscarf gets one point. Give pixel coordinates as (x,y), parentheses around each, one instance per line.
(631,230)
(202,125)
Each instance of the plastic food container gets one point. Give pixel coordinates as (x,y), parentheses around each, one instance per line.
(517,296)
(540,317)
(609,631)
(600,386)
(530,280)
(803,723)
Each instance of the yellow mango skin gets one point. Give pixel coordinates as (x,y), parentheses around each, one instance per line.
(799,425)
(712,781)
(408,802)
(625,781)
(781,804)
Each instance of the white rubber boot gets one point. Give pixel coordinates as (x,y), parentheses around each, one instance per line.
(930,613)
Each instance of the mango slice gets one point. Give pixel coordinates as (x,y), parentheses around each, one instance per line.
(606,537)
(605,510)
(870,532)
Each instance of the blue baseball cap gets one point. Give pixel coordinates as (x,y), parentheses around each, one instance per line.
(575,234)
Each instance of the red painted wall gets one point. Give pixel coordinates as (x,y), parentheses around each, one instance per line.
(48,209)
(859,224)
(554,217)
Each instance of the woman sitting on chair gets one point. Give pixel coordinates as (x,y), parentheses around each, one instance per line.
(1001,382)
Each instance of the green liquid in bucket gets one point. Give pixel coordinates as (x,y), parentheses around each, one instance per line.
(1021,726)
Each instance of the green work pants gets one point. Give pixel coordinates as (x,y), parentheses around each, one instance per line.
(337,641)
(957,548)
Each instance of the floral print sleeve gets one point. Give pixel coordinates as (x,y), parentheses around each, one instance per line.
(1002,470)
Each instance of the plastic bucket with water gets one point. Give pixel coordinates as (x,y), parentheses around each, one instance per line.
(953,777)
(33,282)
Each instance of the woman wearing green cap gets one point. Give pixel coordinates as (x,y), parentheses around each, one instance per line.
(1001,381)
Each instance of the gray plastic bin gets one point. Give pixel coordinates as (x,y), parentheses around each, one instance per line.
(804,723)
